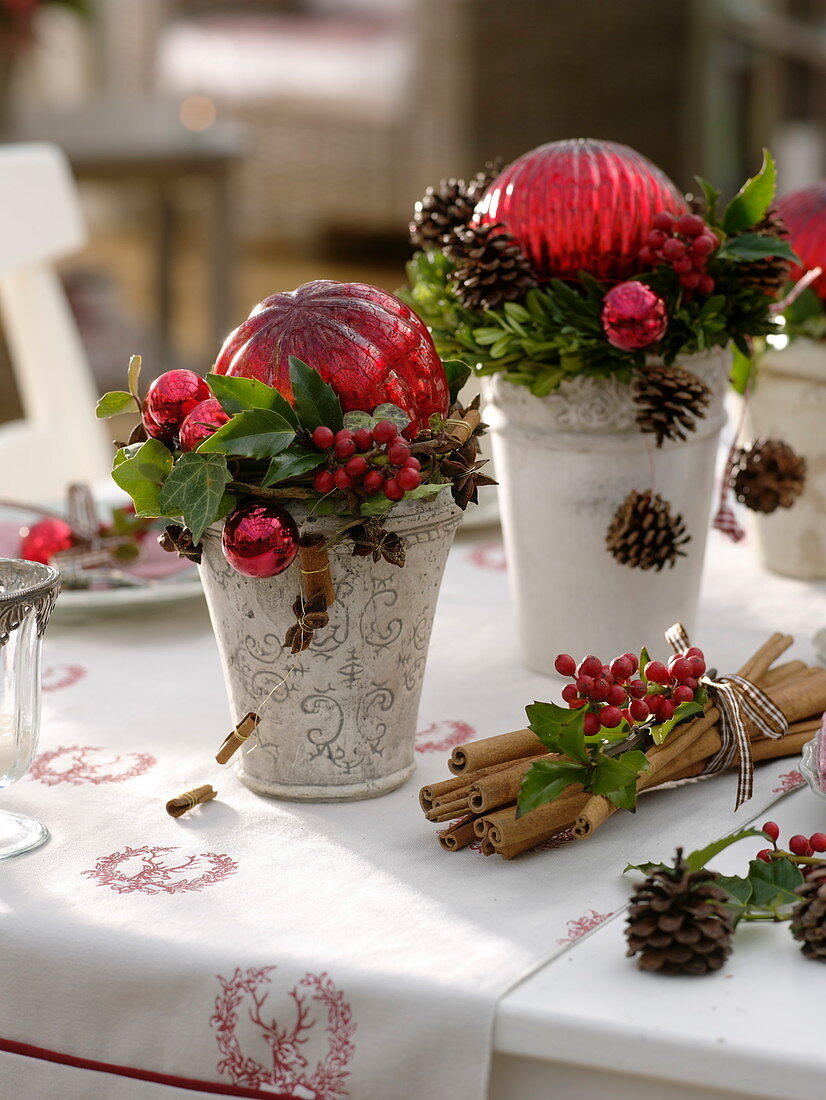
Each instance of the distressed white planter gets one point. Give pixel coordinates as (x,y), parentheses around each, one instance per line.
(789,402)
(343,726)
(564,464)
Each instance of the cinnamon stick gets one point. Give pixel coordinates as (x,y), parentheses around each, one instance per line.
(504,828)
(233,741)
(177,807)
(492,791)
(494,750)
(314,567)
(463,782)
(459,835)
(781,673)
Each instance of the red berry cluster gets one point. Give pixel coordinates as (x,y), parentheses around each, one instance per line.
(799,845)
(674,683)
(375,461)
(685,243)
(608,691)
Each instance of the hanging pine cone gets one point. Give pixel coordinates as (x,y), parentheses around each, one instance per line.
(644,534)
(490,267)
(668,401)
(441,210)
(809,914)
(767,475)
(678,922)
(771,273)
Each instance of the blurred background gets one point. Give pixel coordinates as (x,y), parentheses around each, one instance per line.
(227,149)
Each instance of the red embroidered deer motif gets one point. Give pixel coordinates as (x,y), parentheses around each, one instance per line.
(79,764)
(789,781)
(149,871)
(586,923)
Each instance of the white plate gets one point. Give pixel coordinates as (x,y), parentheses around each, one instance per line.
(73,605)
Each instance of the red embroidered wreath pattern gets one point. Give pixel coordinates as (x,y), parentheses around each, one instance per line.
(443,736)
(583,924)
(79,764)
(151,871)
(290,1070)
(58,677)
(789,781)
(490,556)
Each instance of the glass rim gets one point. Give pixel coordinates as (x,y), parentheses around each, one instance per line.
(44,579)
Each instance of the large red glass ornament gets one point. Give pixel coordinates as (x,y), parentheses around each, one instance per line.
(362,340)
(580,205)
(260,540)
(633,316)
(44,539)
(171,396)
(804,212)
(206,418)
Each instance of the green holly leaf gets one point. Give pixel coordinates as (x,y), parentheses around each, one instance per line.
(457,372)
(559,729)
(377,505)
(242,394)
(683,712)
(753,199)
(291,463)
(195,490)
(133,376)
(316,403)
(546,780)
(712,197)
(258,433)
(615,777)
(695,861)
(645,657)
(644,868)
(740,892)
(773,884)
(756,246)
(115,402)
(141,471)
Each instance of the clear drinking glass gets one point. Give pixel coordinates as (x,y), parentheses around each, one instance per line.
(27,596)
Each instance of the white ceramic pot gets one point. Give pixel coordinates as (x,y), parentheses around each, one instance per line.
(565,463)
(343,725)
(789,402)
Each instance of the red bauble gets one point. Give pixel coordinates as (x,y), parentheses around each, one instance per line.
(260,540)
(362,340)
(205,418)
(44,539)
(171,397)
(633,316)
(804,212)
(580,205)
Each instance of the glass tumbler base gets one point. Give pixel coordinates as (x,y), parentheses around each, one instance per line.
(19,834)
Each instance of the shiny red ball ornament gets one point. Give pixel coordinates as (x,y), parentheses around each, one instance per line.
(206,418)
(804,213)
(580,205)
(171,397)
(260,540)
(362,340)
(633,316)
(44,539)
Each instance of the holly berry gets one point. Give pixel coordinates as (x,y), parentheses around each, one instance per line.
(664,221)
(765,854)
(392,490)
(638,710)
(772,831)
(610,717)
(622,668)
(172,396)
(260,540)
(323,438)
(600,690)
(800,845)
(617,696)
(690,225)
(698,666)
(657,673)
(585,684)
(363,439)
(356,467)
(344,446)
(413,463)
(680,668)
(654,702)
(398,452)
(682,694)
(409,479)
(565,665)
(44,539)
(323,482)
(667,708)
(569,693)
(385,432)
(685,244)
(591,725)
(342,480)
(817,842)
(636,688)
(589,666)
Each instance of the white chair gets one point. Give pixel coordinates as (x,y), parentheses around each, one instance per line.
(60,440)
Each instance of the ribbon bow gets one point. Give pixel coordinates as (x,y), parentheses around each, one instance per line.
(739,702)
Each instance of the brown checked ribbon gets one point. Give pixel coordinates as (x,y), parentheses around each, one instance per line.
(739,702)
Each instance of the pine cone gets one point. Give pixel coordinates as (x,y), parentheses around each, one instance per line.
(668,400)
(771,273)
(490,267)
(767,475)
(678,922)
(809,914)
(644,534)
(441,210)
(479,184)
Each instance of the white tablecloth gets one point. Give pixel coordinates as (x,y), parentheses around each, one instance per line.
(260,948)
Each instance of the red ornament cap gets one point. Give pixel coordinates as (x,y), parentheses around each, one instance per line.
(804,213)
(200,424)
(633,316)
(367,344)
(44,539)
(260,540)
(171,397)
(580,205)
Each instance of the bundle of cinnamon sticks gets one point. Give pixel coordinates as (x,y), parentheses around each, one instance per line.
(478,803)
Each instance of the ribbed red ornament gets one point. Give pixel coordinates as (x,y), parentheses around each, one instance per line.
(804,212)
(44,539)
(171,397)
(580,205)
(260,540)
(200,424)
(362,340)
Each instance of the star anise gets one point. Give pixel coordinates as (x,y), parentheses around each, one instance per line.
(311,615)
(178,540)
(464,473)
(370,539)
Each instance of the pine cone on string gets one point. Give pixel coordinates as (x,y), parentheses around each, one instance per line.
(767,475)
(668,400)
(678,922)
(490,267)
(644,534)
(809,914)
(441,210)
(771,273)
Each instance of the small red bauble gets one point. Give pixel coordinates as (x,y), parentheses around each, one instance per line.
(369,346)
(580,205)
(260,540)
(172,396)
(804,213)
(206,418)
(44,539)
(633,316)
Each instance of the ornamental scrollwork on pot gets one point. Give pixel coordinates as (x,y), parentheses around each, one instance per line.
(377,627)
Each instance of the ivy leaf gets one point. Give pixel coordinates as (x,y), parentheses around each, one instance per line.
(133,375)
(291,463)
(712,197)
(559,729)
(195,490)
(683,711)
(141,471)
(358,418)
(242,394)
(773,883)
(315,402)
(393,413)
(546,780)
(741,369)
(695,861)
(258,433)
(616,777)
(756,246)
(753,199)
(117,401)
(458,372)
(376,505)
